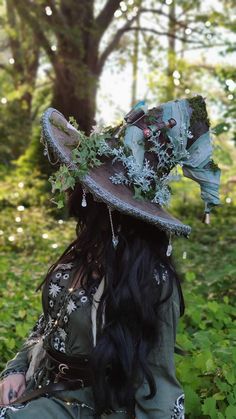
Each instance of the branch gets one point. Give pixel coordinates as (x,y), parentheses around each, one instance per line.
(200,47)
(160,12)
(57,17)
(114,42)
(161,34)
(186,10)
(4,45)
(23,10)
(4,67)
(105,17)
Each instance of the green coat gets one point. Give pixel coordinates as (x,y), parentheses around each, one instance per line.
(73,335)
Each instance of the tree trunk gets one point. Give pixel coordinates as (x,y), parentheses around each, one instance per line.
(171,52)
(135,65)
(70,99)
(75,86)
(25,51)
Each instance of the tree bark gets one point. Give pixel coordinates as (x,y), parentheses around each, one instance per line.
(75,95)
(135,66)
(25,52)
(171,52)
(78,62)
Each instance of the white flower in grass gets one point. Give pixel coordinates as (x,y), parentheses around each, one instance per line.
(70,307)
(54,289)
(62,333)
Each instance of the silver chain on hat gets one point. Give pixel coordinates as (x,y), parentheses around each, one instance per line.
(115,239)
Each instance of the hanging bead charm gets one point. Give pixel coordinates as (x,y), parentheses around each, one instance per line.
(206,219)
(115,239)
(84,202)
(169,248)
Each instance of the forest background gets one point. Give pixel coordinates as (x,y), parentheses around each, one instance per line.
(93,60)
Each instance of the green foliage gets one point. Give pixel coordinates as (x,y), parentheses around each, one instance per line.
(31,239)
(199,113)
(84,157)
(207,330)
(14,136)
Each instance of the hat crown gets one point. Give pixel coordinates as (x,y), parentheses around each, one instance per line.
(138,163)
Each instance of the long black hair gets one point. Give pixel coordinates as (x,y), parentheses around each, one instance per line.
(132,296)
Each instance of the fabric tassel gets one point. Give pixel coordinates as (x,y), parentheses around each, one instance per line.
(169,248)
(96,300)
(35,356)
(206,219)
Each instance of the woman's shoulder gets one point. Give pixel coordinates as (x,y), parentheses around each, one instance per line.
(58,278)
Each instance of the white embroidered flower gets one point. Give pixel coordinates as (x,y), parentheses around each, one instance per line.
(54,289)
(50,321)
(156,276)
(62,333)
(70,306)
(64,266)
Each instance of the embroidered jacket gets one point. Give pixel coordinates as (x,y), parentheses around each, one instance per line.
(69,324)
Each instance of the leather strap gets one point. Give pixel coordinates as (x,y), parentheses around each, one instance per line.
(49,389)
(72,373)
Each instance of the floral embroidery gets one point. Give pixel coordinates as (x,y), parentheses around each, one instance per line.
(3,410)
(38,329)
(178,411)
(54,289)
(64,266)
(58,344)
(62,333)
(50,321)
(160,277)
(62,303)
(165,276)
(71,306)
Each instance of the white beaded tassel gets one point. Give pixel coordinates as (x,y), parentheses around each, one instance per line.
(115,239)
(169,248)
(84,202)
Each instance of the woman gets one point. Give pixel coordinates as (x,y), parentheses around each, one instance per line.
(104,346)
(134,351)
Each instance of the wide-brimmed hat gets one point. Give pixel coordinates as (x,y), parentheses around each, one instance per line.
(154,141)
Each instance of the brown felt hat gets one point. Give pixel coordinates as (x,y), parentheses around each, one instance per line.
(60,138)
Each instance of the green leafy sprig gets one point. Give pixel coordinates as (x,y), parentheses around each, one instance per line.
(83,157)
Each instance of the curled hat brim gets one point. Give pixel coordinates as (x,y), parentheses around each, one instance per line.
(60,138)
